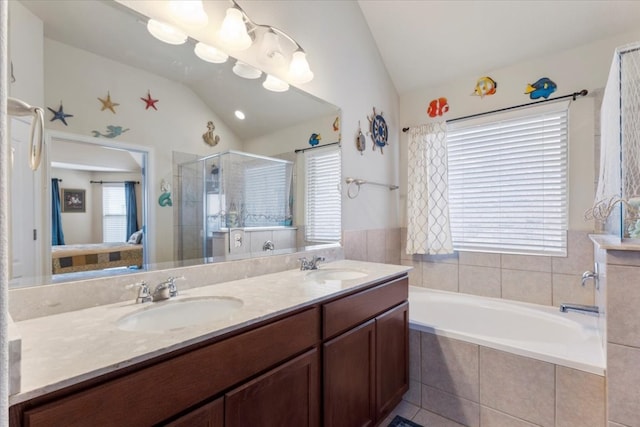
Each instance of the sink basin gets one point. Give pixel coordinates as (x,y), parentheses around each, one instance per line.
(174,314)
(335,274)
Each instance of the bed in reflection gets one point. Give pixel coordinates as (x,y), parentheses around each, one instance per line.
(95,256)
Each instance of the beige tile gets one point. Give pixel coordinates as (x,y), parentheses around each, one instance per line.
(623,258)
(355,245)
(612,424)
(623,377)
(376,245)
(526,262)
(442,276)
(414,394)
(414,354)
(452,407)
(429,419)
(393,246)
(567,288)
(484,281)
(492,418)
(443,259)
(527,286)
(623,300)
(450,365)
(579,254)
(516,385)
(415,274)
(580,398)
(480,259)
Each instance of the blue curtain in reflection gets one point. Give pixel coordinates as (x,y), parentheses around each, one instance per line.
(132,209)
(57,236)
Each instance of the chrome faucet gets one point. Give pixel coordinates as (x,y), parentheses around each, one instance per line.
(311,264)
(591,275)
(144,295)
(166,289)
(579,307)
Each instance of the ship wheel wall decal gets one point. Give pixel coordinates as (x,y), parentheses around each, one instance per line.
(378,130)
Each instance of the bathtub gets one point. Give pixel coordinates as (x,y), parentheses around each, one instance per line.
(536,331)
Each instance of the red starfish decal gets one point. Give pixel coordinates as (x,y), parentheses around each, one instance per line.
(150,102)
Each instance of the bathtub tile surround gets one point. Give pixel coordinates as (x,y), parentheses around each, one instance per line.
(508,390)
(623,393)
(517,385)
(535,279)
(381,245)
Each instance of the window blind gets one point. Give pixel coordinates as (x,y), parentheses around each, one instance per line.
(266,195)
(114,214)
(323,198)
(508,183)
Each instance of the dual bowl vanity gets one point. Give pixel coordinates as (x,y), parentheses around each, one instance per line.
(320,347)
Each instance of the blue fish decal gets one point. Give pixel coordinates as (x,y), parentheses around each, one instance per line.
(314,139)
(112,132)
(541,89)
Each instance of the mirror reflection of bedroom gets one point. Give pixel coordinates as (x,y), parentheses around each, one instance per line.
(97,208)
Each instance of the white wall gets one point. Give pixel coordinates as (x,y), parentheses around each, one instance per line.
(585,67)
(78,78)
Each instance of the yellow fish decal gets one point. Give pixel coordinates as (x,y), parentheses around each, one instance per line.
(485,86)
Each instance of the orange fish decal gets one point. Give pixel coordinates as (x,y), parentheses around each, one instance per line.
(438,107)
(485,86)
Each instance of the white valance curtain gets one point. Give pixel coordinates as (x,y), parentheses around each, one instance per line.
(428,228)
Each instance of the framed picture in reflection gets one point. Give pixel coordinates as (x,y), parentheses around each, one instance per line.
(73,200)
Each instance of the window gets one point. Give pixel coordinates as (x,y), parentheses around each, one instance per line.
(323,198)
(508,182)
(266,197)
(114,214)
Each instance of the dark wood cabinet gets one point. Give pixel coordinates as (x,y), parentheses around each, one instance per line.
(349,378)
(287,396)
(341,362)
(209,415)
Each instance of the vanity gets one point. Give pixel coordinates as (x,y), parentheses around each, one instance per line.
(301,348)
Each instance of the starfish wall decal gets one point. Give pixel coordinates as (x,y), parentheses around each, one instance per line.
(150,102)
(108,104)
(60,114)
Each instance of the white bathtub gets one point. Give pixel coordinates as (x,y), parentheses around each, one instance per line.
(531,330)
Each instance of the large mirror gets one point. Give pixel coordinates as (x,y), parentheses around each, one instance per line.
(102,67)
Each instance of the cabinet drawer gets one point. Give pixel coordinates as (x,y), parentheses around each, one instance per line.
(156,393)
(340,315)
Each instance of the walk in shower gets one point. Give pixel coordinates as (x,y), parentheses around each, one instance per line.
(234,204)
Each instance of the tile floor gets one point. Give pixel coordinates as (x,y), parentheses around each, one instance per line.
(418,415)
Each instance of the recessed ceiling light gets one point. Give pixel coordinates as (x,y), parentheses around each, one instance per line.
(239,114)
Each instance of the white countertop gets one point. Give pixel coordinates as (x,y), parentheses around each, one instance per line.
(67,348)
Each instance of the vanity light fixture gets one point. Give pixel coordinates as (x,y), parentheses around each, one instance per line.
(210,53)
(233,34)
(239,115)
(246,71)
(270,50)
(165,32)
(274,84)
(189,12)
(299,70)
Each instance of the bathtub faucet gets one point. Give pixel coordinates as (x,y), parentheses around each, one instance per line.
(565,307)
(591,275)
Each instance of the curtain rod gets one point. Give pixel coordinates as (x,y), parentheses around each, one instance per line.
(112,182)
(302,150)
(58,179)
(573,95)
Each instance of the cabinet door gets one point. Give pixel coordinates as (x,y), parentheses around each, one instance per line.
(392,358)
(286,396)
(209,415)
(349,378)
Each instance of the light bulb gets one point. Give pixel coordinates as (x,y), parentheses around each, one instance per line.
(210,53)
(246,71)
(189,12)
(299,71)
(165,32)
(274,84)
(239,115)
(233,33)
